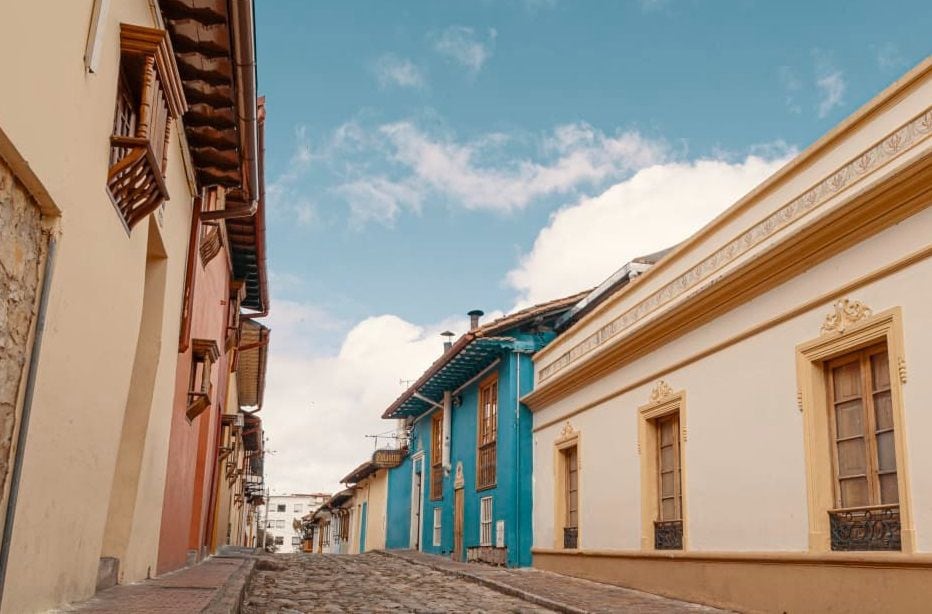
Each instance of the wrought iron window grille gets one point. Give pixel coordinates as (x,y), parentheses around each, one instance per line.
(668,535)
(570,538)
(868,528)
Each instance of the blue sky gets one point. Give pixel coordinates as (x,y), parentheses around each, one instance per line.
(427,158)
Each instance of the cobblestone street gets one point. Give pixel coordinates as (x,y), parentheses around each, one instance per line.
(375,582)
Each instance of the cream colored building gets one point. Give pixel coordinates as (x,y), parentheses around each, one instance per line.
(97,187)
(370,500)
(744,423)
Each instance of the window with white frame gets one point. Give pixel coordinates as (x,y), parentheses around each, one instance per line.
(485,521)
(437,520)
(280,524)
(297,508)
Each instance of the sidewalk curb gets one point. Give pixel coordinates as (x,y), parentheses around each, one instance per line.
(501,587)
(229,597)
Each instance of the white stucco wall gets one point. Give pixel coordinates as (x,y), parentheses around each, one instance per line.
(744,460)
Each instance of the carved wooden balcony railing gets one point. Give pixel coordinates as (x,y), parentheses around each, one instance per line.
(668,535)
(149,102)
(866,528)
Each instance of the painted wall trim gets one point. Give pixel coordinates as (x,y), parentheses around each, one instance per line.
(845,559)
(823,300)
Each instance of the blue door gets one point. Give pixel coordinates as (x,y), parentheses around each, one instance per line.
(362,528)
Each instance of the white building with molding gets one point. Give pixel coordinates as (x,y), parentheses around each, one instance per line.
(281,513)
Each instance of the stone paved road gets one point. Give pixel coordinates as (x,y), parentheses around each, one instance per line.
(375,582)
(371,582)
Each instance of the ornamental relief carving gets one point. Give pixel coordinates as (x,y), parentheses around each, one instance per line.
(660,391)
(846,313)
(907,136)
(567,431)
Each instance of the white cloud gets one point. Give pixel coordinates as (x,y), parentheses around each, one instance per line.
(889,58)
(463,45)
(791,86)
(477,174)
(393,70)
(656,208)
(829,81)
(318,409)
(283,197)
(832,88)
(378,199)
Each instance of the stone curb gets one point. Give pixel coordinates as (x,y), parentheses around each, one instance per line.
(501,587)
(229,597)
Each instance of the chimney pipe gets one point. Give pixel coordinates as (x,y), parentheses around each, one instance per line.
(474,316)
(447,340)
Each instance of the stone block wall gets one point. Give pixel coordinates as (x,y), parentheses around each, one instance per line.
(22,245)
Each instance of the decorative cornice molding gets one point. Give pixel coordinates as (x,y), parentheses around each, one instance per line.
(881,153)
(846,312)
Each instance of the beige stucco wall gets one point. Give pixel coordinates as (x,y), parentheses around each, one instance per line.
(375,515)
(744,462)
(59,119)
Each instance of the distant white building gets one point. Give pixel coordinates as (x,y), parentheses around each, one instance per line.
(282,512)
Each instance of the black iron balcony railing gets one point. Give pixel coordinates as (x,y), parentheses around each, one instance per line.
(570,537)
(866,528)
(668,535)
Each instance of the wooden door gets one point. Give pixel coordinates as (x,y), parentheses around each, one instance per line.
(458,550)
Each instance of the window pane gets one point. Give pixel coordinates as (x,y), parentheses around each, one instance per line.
(854,492)
(666,484)
(666,458)
(886,457)
(847,381)
(849,419)
(889,492)
(883,410)
(880,371)
(851,457)
(666,433)
(667,511)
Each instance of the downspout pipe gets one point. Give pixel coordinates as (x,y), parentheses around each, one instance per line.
(447,423)
(244,59)
(21,438)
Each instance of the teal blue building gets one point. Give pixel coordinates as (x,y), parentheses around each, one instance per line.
(464,487)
